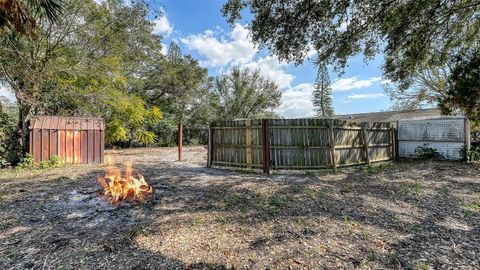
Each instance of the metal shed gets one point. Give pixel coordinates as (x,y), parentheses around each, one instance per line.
(73,139)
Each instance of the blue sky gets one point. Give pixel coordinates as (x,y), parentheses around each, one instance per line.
(200,30)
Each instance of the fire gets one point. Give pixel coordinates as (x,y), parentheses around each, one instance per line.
(124,188)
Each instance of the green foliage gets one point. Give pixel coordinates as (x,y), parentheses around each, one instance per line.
(145,137)
(429,85)
(55,161)
(473,154)
(322,94)
(26,162)
(115,132)
(410,34)
(464,87)
(244,94)
(10,151)
(94,62)
(427,152)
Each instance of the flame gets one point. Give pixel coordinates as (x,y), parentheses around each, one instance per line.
(127,187)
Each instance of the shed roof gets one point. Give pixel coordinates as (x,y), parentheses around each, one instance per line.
(67,123)
(391,116)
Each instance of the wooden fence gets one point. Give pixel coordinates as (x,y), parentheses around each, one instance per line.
(273,144)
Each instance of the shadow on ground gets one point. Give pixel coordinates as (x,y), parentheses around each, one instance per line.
(396,216)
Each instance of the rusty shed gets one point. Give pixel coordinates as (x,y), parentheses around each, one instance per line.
(73,139)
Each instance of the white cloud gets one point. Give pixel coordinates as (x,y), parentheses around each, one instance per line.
(271,68)
(164,49)
(162,26)
(347,84)
(236,48)
(386,81)
(366,96)
(297,101)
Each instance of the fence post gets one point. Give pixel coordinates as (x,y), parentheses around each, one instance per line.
(266,146)
(210,146)
(393,141)
(365,142)
(248,142)
(180,141)
(331,139)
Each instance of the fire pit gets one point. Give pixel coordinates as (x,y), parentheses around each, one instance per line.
(126,187)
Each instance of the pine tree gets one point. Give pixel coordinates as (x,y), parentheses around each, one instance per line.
(322,94)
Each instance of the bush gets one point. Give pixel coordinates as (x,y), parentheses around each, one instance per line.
(426,152)
(27,162)
(474,154)
(10,149)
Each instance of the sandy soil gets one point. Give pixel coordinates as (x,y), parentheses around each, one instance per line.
(408,215)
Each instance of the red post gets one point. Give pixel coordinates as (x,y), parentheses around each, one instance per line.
(180,139)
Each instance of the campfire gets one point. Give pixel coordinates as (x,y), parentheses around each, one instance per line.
(126,187)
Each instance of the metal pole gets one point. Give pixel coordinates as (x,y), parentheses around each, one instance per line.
(180,139)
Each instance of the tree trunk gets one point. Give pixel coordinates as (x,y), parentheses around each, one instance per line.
(24,115)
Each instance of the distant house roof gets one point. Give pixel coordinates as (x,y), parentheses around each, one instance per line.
(391,116)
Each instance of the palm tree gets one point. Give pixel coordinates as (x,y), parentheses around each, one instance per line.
(19,15)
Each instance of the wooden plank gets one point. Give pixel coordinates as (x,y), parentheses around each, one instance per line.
(210,146)
(393,144)
(214,163)
(266,146)
(331,140)
(299,147)
(248,141)
(365,144)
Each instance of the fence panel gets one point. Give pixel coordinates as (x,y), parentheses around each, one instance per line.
(298,143)
(237,143)
(449,136)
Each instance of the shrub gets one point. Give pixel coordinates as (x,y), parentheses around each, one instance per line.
(426,152)
(27,162)
(55,161)
(474,154)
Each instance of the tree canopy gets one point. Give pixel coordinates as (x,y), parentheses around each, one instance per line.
(243,93)
(464,87)
(411,34)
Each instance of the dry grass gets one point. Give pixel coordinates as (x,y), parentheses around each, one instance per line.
(407,215)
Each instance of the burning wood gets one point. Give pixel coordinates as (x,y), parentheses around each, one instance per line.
(124,188)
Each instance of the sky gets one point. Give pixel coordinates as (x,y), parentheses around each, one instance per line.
(199,28)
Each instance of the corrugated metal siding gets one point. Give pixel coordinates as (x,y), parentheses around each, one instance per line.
(73,139)
(446,135)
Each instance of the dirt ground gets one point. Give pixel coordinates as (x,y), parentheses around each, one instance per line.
(407,215)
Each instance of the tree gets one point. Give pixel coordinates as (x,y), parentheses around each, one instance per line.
(429,85)
(322,94)
(21,16)
(242,93)
(92,62)
(464,87)
(411,34)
